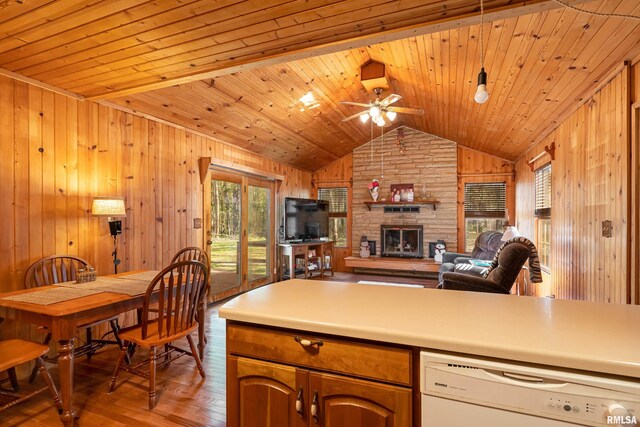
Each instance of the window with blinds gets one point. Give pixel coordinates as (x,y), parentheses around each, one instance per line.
(337,198)
(543,191)
(338,204)
(485,199)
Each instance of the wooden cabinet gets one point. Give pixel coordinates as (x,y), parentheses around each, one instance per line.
(307,259)
(265,394)
(286,378)
(344,401)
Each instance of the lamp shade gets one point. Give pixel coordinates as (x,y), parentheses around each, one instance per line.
(510,233)
(109,206)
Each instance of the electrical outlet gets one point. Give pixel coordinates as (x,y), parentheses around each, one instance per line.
(606,228)
(197,223)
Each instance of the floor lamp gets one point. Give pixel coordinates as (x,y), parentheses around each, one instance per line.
(112,208)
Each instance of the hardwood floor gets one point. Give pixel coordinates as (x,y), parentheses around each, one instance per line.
(184,399)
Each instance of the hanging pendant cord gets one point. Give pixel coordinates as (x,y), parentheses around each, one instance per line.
(481,34)
(382,153)
(589,12)
(371,141)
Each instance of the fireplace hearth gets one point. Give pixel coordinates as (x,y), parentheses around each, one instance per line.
(401,241)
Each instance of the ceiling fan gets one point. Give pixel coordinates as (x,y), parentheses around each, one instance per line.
(379,110)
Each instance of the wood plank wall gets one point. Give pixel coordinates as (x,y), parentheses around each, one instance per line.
(477,166)
(589,184)
(338,173)
(58,153)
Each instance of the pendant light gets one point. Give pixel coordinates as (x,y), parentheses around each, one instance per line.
(481,95)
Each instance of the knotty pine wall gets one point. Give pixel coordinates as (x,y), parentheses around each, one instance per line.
(477,166)
(59,152)
(589,184)
(338,173)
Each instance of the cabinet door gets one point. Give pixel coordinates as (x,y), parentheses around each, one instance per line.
(347,402)
(263,394)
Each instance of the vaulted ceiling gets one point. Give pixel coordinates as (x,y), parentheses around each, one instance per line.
(235,70)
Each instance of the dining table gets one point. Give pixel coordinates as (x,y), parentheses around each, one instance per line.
(64,308)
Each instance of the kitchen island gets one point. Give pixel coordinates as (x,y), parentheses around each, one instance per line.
(397,322)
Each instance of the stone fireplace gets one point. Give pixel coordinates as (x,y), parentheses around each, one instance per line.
(401,241)
(427,162)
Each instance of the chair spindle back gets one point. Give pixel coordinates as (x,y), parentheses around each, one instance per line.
(53,269)
(191,253)
(178,291)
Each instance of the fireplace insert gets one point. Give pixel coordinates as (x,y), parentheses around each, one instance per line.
(402,241)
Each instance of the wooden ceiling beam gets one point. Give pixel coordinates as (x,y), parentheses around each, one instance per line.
(345,41)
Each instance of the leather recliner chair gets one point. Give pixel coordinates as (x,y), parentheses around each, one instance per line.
(499,280)
(485,248)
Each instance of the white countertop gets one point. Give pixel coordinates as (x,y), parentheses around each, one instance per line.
(596,337)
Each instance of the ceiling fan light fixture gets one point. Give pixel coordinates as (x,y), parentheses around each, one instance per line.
(364,117)
(391,115)
(309,101)
(482,95)
(379,121)
(375,111)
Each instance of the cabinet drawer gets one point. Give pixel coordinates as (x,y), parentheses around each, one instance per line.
(359,359)
(299,250)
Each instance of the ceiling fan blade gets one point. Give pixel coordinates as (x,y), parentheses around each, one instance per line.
(404,110)
(346,119)
(390,99)
(359,104)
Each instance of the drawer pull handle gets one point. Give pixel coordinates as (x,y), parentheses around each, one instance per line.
(314,407)
(299,403)
(308,343)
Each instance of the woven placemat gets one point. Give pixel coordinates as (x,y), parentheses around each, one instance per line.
(53,294)
(112,284)
(126,287)
(145,275)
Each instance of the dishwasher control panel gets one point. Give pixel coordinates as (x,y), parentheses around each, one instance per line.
(550,393)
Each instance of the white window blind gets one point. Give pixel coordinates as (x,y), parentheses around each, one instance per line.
(543,191)
(485,199)
(337,198)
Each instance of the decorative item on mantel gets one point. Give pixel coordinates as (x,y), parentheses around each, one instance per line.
(364,247)
(402,193)
(373,189)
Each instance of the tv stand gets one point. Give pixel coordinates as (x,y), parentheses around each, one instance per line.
(312,255)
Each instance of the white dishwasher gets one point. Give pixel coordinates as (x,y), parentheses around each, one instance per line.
(462,391)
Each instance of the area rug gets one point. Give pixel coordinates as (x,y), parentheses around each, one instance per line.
(404,285)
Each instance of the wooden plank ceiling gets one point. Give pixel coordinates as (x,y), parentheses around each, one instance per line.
(234,70)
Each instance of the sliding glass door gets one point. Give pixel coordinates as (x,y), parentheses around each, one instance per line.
(225,232)
(259,227)
(240,235)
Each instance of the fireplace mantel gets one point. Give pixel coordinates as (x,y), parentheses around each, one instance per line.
(433,204)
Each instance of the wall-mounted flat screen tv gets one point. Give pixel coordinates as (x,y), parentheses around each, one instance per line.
(305,219)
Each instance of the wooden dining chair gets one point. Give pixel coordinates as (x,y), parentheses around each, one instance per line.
(175,293)
(16,352)
(191,253)
(55,269)
(196,254)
